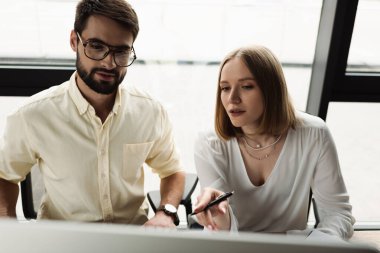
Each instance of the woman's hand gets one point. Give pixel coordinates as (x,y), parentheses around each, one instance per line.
(216,217)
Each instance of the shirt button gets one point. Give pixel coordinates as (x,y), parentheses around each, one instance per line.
(102,152)
(105,196)
(103,175)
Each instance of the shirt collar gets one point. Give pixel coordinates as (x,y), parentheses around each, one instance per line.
(117,103)
(80,102)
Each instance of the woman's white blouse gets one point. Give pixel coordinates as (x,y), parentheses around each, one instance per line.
(308,160)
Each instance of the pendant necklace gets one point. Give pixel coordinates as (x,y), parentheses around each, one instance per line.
(258,146)
(247,146)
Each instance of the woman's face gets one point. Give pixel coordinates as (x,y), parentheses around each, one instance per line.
(241,97)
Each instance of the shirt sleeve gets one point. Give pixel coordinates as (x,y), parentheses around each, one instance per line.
(16,155)
(164,158)
(330,192)
(211,163)
(210,157)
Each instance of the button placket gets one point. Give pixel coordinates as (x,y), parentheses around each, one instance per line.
(103,172)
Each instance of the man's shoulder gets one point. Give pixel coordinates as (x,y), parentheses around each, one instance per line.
(44,97)
(135,92)
(137,96)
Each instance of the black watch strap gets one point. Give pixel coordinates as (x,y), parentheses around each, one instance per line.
(171,211)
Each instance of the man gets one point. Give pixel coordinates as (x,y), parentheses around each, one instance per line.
(90,137)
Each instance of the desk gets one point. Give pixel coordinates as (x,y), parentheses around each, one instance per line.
(369,236)
(63,237)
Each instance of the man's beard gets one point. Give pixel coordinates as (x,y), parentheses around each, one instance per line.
(101,87)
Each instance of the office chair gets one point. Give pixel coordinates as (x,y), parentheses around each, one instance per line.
(190,184)
(191,181)
(315,208)
(32,190)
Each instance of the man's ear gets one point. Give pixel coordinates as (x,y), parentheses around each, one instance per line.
(73,40)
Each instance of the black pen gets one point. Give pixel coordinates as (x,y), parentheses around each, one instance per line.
(219,199)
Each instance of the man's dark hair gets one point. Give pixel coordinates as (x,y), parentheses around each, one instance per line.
(117,10)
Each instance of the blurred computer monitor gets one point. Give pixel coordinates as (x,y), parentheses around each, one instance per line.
(55,236)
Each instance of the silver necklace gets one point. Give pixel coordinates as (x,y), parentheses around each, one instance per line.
(258,147)
(260,157)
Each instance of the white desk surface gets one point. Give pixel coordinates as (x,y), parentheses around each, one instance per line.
(53,236)
(371,236)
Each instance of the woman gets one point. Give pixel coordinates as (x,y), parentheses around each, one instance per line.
(268,154)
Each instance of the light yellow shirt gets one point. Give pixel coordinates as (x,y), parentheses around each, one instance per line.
(91,171)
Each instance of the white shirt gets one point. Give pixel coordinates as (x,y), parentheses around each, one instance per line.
(91,171)
(308,160)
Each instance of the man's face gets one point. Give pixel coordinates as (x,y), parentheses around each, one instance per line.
(102,76)
(107,85)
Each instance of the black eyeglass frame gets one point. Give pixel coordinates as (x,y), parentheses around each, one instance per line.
(110,49)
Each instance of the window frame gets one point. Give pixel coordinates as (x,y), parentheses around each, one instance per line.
(330,82)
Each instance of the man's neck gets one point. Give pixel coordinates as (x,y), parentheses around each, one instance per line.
(102,103)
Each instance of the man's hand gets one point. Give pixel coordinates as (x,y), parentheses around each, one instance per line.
(161,220)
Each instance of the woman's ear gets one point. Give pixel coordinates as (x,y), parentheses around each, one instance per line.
(73,40)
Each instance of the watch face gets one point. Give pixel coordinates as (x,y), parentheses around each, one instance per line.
(170,208)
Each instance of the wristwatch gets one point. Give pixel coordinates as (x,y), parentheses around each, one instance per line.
(171,211)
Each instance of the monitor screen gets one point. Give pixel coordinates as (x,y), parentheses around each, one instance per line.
(59,236)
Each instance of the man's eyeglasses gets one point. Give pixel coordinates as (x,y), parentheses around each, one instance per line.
(97,51)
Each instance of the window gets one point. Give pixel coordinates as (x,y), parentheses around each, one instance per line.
(36,31)
(182,43)
(346,93)
(355,129)
(364,51)
(179,47)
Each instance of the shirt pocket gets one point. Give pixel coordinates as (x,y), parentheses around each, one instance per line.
(134,156)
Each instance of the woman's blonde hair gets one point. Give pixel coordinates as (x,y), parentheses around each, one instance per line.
(279,113)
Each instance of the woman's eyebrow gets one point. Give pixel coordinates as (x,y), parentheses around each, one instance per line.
(246,79)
